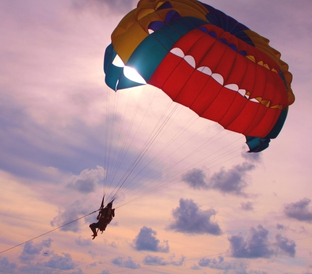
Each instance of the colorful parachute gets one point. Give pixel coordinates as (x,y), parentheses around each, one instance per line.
(206,61)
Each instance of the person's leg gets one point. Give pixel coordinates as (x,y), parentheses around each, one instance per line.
(93,228)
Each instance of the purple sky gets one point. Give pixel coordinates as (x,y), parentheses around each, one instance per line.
(195,202)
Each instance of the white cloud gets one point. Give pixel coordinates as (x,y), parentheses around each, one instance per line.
(87,180)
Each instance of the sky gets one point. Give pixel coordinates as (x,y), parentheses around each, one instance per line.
(189,198)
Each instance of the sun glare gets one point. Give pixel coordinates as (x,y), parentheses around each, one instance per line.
(118,62)
(133,75)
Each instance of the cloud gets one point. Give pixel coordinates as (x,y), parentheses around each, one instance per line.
(156,260)
(30,250)
(215,263)
(6,266)
(248,206)
(127,263)
(227,267)
(254,245)
(67,218)
(83,242)
(63,262)
(78,271)
(281,227)
(146,240)
(285,245)
(196,179)
(252,157)
(117,6)
(232,181)
(188,218)
(86,181)
(299,210)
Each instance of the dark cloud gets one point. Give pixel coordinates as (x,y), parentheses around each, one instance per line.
(35,268)
(6,266)
(254,245)
(299,210)
(63,262)
(248,206)
(232,181)
(146,240)
(235,266)
(30,250)
(127,263)
(196,178)
(215,263)
(195,267)
(281,227)
(188,218)
(78,271)
(285,245)
(87,180)
(156,260)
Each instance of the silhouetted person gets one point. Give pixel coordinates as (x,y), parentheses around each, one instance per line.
(105,216)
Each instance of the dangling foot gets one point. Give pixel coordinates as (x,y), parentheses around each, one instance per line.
(94,235)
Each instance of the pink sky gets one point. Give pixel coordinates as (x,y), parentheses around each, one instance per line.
(62,129)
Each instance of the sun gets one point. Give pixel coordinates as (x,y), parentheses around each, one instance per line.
(129,72)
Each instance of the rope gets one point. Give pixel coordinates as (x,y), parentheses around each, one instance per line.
(45,233)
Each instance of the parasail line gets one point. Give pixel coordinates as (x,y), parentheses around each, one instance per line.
(148,144)
(50,231)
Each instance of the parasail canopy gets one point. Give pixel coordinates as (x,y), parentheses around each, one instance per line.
(205,60)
